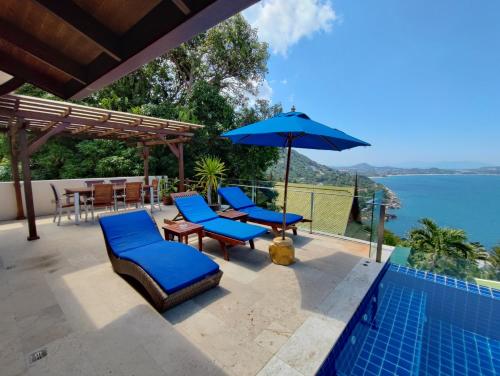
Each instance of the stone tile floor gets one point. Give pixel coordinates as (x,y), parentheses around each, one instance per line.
(59,293)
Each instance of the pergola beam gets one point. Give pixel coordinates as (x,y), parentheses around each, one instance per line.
(177,149)
(28,190)
(42,51)
(95,123)
(38,143)
(180,147)
(48,126)
(14,166)
(86,25)
(166,142)
(145,156)
(174,149)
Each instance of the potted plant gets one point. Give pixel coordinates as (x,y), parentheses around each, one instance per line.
(167,186)
(209,170)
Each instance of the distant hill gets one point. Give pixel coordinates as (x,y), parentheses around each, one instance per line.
(369,170)
(305,170)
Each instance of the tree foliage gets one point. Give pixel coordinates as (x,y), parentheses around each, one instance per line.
(445,251)
(206,80)
(493,264)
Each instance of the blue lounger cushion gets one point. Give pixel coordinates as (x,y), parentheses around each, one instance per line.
(238,200)
(233,229)
(235,197)
(172,265)
(260,214)
(135,237)
(195,209)
(129,230)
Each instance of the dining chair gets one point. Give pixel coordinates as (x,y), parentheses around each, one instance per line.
(132,195)
(118,181)
(102,197)
(119,193)
(155,200)
(67,206)
(90,183)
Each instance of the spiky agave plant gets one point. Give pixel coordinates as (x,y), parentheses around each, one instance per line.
(208,170)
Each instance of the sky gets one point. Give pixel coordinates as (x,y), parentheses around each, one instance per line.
(417,79)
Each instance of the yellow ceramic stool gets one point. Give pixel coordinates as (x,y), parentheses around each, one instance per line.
(282,251)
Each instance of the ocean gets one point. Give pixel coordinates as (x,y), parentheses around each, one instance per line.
(468,202)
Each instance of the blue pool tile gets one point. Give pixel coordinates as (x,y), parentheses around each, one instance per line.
(440,279)
(451,282)
(358,371)
(496,293)
(486,291)
(472,287)
(430,277)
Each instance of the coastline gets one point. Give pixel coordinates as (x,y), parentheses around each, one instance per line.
(393,201)
(463,203)
(393,175)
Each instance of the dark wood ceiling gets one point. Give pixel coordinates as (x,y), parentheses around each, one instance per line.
(72,48)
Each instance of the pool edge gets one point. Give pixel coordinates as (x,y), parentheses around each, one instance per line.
(306,350)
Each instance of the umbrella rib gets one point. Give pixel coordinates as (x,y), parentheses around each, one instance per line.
(330,143)
(245,136)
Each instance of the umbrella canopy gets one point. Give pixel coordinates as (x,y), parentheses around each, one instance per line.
(293,129)
(297,126)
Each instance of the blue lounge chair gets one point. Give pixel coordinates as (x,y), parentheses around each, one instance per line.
(170,272)
(238,200)
(194,209)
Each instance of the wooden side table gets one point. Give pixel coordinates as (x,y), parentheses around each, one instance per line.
(234,215)
(182,230)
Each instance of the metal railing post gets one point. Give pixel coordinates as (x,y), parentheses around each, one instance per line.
(312,214)
(380,233)
(253,191)
(219,200)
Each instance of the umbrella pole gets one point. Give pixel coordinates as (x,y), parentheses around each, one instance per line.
(286,185)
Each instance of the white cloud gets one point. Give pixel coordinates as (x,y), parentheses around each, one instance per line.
(284,81)
(264,91)
(283,23)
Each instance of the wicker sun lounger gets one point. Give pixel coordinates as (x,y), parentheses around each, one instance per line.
(238,200)
(170,272)
(227,232)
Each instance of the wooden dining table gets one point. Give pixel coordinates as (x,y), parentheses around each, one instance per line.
(87,191)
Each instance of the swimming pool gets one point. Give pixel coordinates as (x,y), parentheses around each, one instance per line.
(413,322)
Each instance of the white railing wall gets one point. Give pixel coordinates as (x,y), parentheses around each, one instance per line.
(42,194)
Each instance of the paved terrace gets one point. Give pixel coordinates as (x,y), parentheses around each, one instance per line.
(60,294)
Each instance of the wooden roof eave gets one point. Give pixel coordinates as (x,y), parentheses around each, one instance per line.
(73,48)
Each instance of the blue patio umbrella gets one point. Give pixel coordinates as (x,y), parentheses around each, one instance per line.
(293,129)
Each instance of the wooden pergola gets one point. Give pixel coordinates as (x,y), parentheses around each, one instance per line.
(72,48)
(29,122)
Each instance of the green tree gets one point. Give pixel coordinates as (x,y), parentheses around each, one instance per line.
(209,170)
(391,238)
(493,262)
(229,57)
(4,159)
(443,250)
(206,80)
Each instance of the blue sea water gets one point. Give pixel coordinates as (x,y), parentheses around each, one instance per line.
(468,202)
